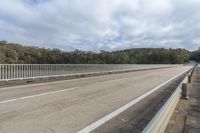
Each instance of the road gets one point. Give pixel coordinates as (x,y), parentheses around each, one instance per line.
(71,105)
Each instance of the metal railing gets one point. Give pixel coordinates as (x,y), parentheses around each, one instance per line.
(25,71)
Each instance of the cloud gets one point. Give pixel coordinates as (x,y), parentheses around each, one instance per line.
(101,24)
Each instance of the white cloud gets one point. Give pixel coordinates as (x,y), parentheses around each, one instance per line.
(101,24)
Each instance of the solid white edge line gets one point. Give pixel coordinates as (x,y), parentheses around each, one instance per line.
(156,124)
(108,117)
(37,95)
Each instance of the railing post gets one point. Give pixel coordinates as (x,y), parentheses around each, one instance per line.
(184,94)
(189,78)
(50,69)
(39,67)
(31,70)
(0,72)
(22,71)
(192,71)
(6,72)
(16,71)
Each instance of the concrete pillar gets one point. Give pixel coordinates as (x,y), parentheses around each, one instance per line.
(184,91)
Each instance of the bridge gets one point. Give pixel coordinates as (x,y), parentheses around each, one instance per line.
(68,98)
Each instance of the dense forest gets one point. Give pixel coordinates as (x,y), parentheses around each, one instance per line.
(195,55)
(11,53)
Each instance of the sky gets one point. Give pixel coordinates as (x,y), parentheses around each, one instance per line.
(94,25)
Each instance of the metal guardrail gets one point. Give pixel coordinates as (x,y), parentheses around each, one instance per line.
(160,121)
(26,71)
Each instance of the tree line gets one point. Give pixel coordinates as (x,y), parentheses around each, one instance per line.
(12,53)
(195,55)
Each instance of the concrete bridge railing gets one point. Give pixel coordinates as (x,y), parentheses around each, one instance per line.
(26,71)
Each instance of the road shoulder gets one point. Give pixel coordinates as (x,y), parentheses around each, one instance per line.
(186,117)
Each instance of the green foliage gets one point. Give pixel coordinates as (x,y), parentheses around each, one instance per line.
(16,53)
(195,56)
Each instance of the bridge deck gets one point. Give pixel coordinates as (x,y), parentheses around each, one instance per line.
(68,106)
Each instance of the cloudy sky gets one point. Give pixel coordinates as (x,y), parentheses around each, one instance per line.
(101,24)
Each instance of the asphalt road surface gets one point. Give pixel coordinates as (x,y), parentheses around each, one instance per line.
(71,105)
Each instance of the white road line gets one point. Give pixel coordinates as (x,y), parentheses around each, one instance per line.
(108,117)
(37,95)
(15,87)
(48,83)
(38,84)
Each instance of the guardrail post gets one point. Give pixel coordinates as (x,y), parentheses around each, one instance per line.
(189,78)
(184,94)
(192,71)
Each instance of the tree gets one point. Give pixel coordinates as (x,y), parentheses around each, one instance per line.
(16,53)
